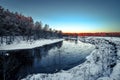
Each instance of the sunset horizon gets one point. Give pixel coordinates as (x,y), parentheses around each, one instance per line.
(70,16)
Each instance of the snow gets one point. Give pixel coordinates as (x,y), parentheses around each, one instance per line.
(118,53)
(115,75)
(104,78)
(57,76)
(28,44)
(102,64)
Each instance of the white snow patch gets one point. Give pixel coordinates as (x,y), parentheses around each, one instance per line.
(115,75)
(104,78)
(29,45)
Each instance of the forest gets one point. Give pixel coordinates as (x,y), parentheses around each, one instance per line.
(14,24)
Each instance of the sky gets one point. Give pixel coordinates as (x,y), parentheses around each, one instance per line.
(71,15)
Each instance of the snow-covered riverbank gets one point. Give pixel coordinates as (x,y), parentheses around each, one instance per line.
(102,64)
(28,44)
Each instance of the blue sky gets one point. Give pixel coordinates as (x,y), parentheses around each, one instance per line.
(71,15)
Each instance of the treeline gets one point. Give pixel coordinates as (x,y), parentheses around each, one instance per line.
(102,34)
(15,24)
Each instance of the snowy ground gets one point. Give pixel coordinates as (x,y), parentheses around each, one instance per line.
(102,64)
(28,44)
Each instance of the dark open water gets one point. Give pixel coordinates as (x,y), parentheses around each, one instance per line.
(17,64)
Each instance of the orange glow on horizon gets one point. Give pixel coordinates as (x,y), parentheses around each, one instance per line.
(90,32)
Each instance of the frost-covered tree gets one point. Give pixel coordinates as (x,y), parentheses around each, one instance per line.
(15,24)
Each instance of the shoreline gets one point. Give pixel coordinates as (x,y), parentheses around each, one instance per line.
(29,45)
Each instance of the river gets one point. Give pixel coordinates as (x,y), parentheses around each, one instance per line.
(52,58)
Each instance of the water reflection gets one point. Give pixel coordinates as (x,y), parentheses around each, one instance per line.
(19,63)
(46,59)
